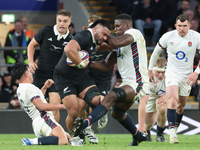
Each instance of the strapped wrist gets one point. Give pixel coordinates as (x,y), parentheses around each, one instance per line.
(81,65)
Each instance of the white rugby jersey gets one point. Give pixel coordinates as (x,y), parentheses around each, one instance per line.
(156,88)
(132,59)
(181,51)
(26,94)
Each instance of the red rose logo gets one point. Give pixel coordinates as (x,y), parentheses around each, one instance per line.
(189,44)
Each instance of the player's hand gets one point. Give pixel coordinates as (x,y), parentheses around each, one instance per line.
(192,78)
(48,83)
(32,66)
(62,106)
(86,63)
(142,129)
(151,75)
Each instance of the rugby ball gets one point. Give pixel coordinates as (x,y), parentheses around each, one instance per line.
(84,55)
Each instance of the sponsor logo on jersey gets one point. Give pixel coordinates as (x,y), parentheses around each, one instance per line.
(171,43)
(91,48)
(56,47)
(65,43)
(189,43)
(50,39)
(65,90)
(104,92)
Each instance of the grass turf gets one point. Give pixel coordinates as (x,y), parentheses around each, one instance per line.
(106,142)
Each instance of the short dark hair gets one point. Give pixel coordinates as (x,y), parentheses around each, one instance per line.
(64,13)
(124,17)
(182,18)
(18,20)
(71,25)
(103,22)
(18,70)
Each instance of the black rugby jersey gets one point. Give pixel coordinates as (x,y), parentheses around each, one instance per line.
(97,75)
(84,39)
(50,49)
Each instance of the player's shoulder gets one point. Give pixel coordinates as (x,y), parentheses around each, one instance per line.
(83,34)
(194,33)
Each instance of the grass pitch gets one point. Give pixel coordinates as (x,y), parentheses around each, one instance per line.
(106,142)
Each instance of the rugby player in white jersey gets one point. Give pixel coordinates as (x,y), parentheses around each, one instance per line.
(181,45)
(156,108)
(131,59)
(47,130)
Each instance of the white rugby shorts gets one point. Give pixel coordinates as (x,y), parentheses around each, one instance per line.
(171,79)
(43,126)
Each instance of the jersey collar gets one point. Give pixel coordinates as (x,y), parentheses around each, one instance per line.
(89,29)
(58,34)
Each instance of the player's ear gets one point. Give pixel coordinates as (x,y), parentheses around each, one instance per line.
(175,25)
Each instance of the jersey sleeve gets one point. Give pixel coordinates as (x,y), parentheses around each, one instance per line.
(31,93)
(136,34)
(40,34)
(83,38)
(163,41)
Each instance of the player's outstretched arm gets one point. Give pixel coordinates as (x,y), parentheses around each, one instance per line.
(46,106)
(107,64)
(30,54)
(119,41)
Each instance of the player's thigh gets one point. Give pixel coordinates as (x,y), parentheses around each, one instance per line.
(54,98)
(44,126)
(151,105)
(172,86)
(72,105)
(184,89)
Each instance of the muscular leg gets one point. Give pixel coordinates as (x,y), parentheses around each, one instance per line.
(72,105)
(150,119)
(108,101)
(54,98)
(172,94)
(161,104)
(180,107)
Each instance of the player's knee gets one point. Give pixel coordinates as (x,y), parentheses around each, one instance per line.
(121,95)
(73,113)
(92,96)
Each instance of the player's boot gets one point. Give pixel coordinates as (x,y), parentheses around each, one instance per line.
(140,137)
(173,136)
(90,134)
(76,141)
(77,127)
(160,138)
(82,138)
(102,122)
(25,141)
(149,138)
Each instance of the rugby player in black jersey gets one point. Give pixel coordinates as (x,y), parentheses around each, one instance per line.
(52,40)
(73,82)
